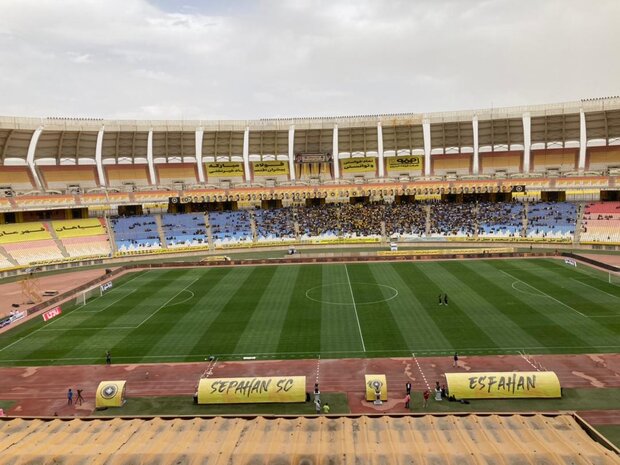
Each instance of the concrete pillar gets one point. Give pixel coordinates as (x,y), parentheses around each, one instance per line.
(149,157)
(380,150)
(476,164)
(99,158)
(527,141)
(246,154)
(32,147)
(426,130)
(583,141)
(201,173)
(335,153)
(291,151)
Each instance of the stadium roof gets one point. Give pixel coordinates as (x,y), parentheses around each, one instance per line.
(429,439)
(71,139)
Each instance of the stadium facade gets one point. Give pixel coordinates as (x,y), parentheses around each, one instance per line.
(568,146)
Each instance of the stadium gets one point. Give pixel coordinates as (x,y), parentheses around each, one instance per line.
(191,251)
(309,232)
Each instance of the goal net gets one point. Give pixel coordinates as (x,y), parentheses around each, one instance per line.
(92,293)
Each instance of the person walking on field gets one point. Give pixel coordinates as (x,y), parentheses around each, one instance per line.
(445,300)
(426,395)
(440,299)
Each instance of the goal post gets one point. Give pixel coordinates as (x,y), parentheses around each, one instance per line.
(92,293)
(613,277)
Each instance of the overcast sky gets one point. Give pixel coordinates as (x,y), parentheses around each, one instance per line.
(242,59)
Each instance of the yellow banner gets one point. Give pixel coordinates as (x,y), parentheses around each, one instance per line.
(358,165)
(446,251)
(504,385)
(270,168)
(375,383)
(252,390)
(224,169)
(110,394)
(404,163)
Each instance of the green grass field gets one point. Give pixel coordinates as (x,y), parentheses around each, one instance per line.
(335,310)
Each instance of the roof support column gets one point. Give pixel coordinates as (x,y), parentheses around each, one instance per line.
(149,157)
(380,149)
(291,152)
(199,135)
(527,141)
(426,131)
(335,158)
(32,147)
(98,157)
(476,163)
(583,141)
(246,153)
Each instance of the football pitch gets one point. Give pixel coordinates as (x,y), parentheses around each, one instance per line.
(331,310)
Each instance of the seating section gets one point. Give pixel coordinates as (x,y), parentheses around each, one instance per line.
(274,224)
(407,219)
(601,222)
(4,263)
(23,232)
(184,229)
(119,175)
(500,219)
(232,226)
(315,221)
(450,219)
(60,177)
(26,253)
(83,237)
(135,233)
(17,177)
(551,219)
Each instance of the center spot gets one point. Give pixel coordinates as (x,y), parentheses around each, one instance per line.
(340,293)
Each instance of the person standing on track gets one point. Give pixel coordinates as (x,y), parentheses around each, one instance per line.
(456,360)
(408,387)
(79,397)
(407,400)
(108,357)
(69,397)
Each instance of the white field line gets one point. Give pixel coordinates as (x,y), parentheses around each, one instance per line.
(109,305)
(359,327)
(544,294)
(421,372)
(166,303)
(595,288)
(86,329)
(491,350)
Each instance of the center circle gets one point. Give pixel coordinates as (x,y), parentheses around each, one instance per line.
(347,293)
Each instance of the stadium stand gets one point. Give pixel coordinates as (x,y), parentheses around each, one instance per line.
(230,226)
(17,178)
(172,173)
(135,233)
(405,219)
(551,219)
(274,224)
(184,229)
(317,221)
(456,220)
(499,219)
(457,165)
(554,159)
(495,163)
(83,237)
(63,177)
(601,222)
(27,253)
(357,220)
(127,175)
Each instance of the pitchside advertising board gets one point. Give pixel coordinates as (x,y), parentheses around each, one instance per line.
(54,312)
(504,385)
(106,287)
(252,390)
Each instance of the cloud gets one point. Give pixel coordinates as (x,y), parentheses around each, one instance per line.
(197,60)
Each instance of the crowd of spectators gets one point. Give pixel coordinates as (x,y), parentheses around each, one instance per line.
(453,219)
(405,219)
(230,226)
(500,219)
(551,219)
(274,224)
(136,232)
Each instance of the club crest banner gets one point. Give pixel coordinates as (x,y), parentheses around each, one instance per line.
(376,383)
(110,394)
